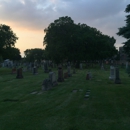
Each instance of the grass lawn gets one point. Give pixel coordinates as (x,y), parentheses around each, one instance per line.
(107,108)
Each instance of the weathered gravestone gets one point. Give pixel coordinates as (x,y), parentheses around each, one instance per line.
(69,71)
(52,78)
(14,71)
(46,85)
(46,67)
(117,77)
(81,66)
(19,73)
(127,64)
(88,76)
(34,70)
(66,75)
(112,73)
(60,74)
(102,66)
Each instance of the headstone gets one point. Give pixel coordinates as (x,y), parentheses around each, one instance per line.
(112,73)
(102,67)
(60,74)
(69,71)
(46,67)
(52,78)
(34,69)
(46,85)
(19,73)
(80,66)
(88,76)
(14,71)
(117,77)
(127,65)
(66,75)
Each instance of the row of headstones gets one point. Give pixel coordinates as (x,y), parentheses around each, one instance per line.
(52,81)
(114,74)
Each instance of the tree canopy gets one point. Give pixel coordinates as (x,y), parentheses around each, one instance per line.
(65,40)
(125,31)
(7,42)
(34,54)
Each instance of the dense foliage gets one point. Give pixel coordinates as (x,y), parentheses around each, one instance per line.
(65,40)
(34,54)
(7,43)
(125,32)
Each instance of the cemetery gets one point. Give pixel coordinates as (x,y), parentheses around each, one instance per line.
(91,98)
(77,80)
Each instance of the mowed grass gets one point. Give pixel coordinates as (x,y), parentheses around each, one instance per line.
(107,108)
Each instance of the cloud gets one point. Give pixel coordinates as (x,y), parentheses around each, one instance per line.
(105,15)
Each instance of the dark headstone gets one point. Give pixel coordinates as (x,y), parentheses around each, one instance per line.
(117,78)
(19,73)
(69,71)
(65,75)
(88,76)
(60,74)
(14,71)
(46,67)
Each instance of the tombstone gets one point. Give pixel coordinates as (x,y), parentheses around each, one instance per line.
(69,71)
(46,85)
(127,65)
(81,66)
(66,75)
(52,78)
(19,73)
(102,67)
(112,73)
(13,71)
(34,70)
(46,67)
(88,76)
(117,77)
(60,74)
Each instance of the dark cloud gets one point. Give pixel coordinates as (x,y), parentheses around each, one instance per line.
(105,15)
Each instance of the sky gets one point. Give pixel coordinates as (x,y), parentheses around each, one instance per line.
(29,18)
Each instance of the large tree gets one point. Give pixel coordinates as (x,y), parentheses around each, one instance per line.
(12,54)
(34,54)
(125,32)
(58,38)
(7,39)
(66,40)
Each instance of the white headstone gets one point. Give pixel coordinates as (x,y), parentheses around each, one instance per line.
(112,73)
